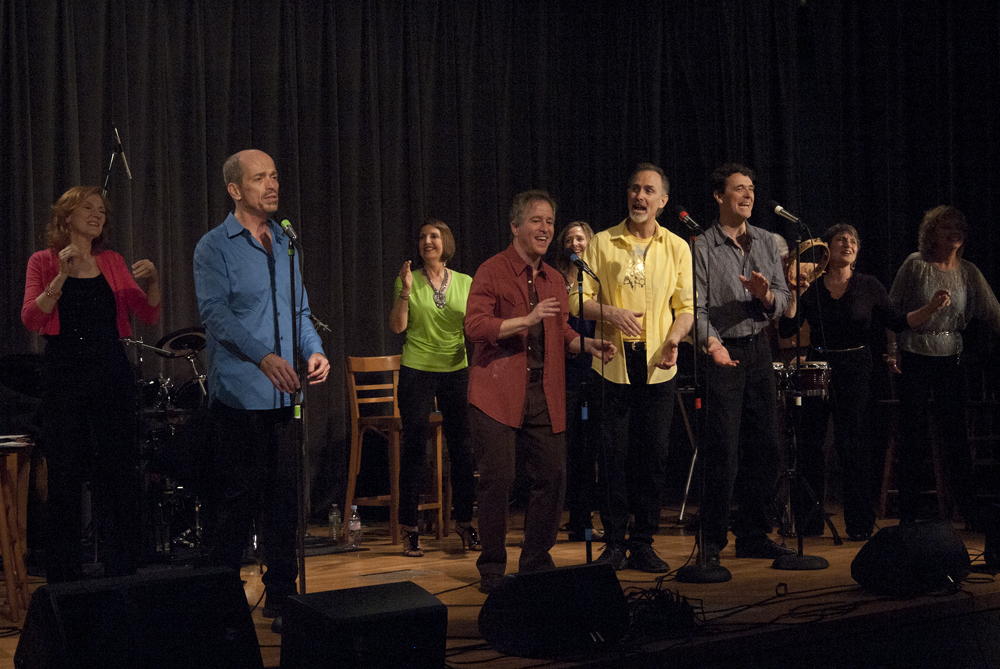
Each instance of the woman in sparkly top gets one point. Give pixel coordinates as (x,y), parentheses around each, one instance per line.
(79,296)
(929,355)
(429,305)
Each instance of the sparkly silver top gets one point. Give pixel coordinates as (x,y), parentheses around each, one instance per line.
(971,297)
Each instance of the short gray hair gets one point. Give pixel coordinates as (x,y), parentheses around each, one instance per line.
(522,200)
(232,170)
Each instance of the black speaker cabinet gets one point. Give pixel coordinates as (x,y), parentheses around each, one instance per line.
(391,625)
(159,620)
(910,560)
(555,613)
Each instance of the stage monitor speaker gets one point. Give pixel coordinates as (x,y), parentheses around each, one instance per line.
(555,613)
(169,619)
(391,625)
(910,560)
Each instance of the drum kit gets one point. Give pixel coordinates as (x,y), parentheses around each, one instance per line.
(169,432)
(813,379)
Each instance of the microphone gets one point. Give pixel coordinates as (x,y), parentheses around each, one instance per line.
(579,262)
(286,225)
(121,150)
(784,213)
(687,220)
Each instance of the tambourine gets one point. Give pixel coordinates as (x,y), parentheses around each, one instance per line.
(813,256)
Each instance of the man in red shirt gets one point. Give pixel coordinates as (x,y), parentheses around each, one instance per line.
(517,316)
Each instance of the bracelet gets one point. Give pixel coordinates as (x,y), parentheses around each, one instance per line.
(54,294)
(404,297)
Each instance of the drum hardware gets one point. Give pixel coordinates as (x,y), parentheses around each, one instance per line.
(167,406)
(810,379)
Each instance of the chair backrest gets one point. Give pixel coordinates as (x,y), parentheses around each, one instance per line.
(372,393)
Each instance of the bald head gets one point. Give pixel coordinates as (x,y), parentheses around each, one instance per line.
(252,182)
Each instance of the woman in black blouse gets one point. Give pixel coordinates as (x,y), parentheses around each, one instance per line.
(845,310)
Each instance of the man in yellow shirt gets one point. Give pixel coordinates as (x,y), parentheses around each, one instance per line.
(645,305)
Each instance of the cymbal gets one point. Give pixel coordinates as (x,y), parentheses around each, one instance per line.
(182,342)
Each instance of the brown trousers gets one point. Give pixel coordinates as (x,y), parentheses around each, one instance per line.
(497,447)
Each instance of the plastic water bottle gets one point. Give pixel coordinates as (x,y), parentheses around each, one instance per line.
(354,528)
(336,524)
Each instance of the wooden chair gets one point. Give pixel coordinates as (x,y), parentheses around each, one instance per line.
(390,426)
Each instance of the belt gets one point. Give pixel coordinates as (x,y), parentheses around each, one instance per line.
(853,349)
(535,375)
(740,341)
(632,346)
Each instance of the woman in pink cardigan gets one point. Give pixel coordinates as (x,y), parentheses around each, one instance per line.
(79,295)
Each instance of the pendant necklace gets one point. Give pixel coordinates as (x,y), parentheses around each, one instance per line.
(439,296)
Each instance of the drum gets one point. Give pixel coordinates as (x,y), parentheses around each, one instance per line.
(155,394)
(190,396)
(814,378)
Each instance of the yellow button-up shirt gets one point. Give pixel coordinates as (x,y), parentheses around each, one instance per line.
(668,292)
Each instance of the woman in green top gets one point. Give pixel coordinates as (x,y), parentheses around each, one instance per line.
(429,306)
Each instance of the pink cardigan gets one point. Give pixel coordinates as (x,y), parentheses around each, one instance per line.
(43,266)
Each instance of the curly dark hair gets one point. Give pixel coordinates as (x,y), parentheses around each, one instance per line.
(722,173)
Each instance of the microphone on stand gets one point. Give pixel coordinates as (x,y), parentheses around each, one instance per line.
(687,220)
(583,266)
(121,149)
(784,213)
(286,225)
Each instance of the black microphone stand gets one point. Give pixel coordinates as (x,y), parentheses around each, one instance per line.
(792,475)
(299,432)
(588,533)
(701,571)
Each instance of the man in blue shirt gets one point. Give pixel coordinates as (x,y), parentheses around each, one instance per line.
(242,282)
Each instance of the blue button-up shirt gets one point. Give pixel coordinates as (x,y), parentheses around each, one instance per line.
(244,298)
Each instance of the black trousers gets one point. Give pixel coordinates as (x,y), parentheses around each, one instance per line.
(417,390)
(253,484)
(633,421)
(849,403)
(498,447)
(88,420)
(939,379)
(739,437)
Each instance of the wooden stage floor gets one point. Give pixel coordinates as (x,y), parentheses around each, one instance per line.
(760,613)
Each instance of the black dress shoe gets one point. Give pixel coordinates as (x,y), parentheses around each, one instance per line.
(614,555)
(761,548)
(276,625)
(642,557)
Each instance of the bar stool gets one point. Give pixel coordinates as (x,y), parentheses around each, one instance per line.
(390,426)
(940,478)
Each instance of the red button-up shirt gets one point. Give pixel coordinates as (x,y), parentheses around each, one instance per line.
(498,375)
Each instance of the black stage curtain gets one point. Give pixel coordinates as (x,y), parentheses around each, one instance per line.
(380,113)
